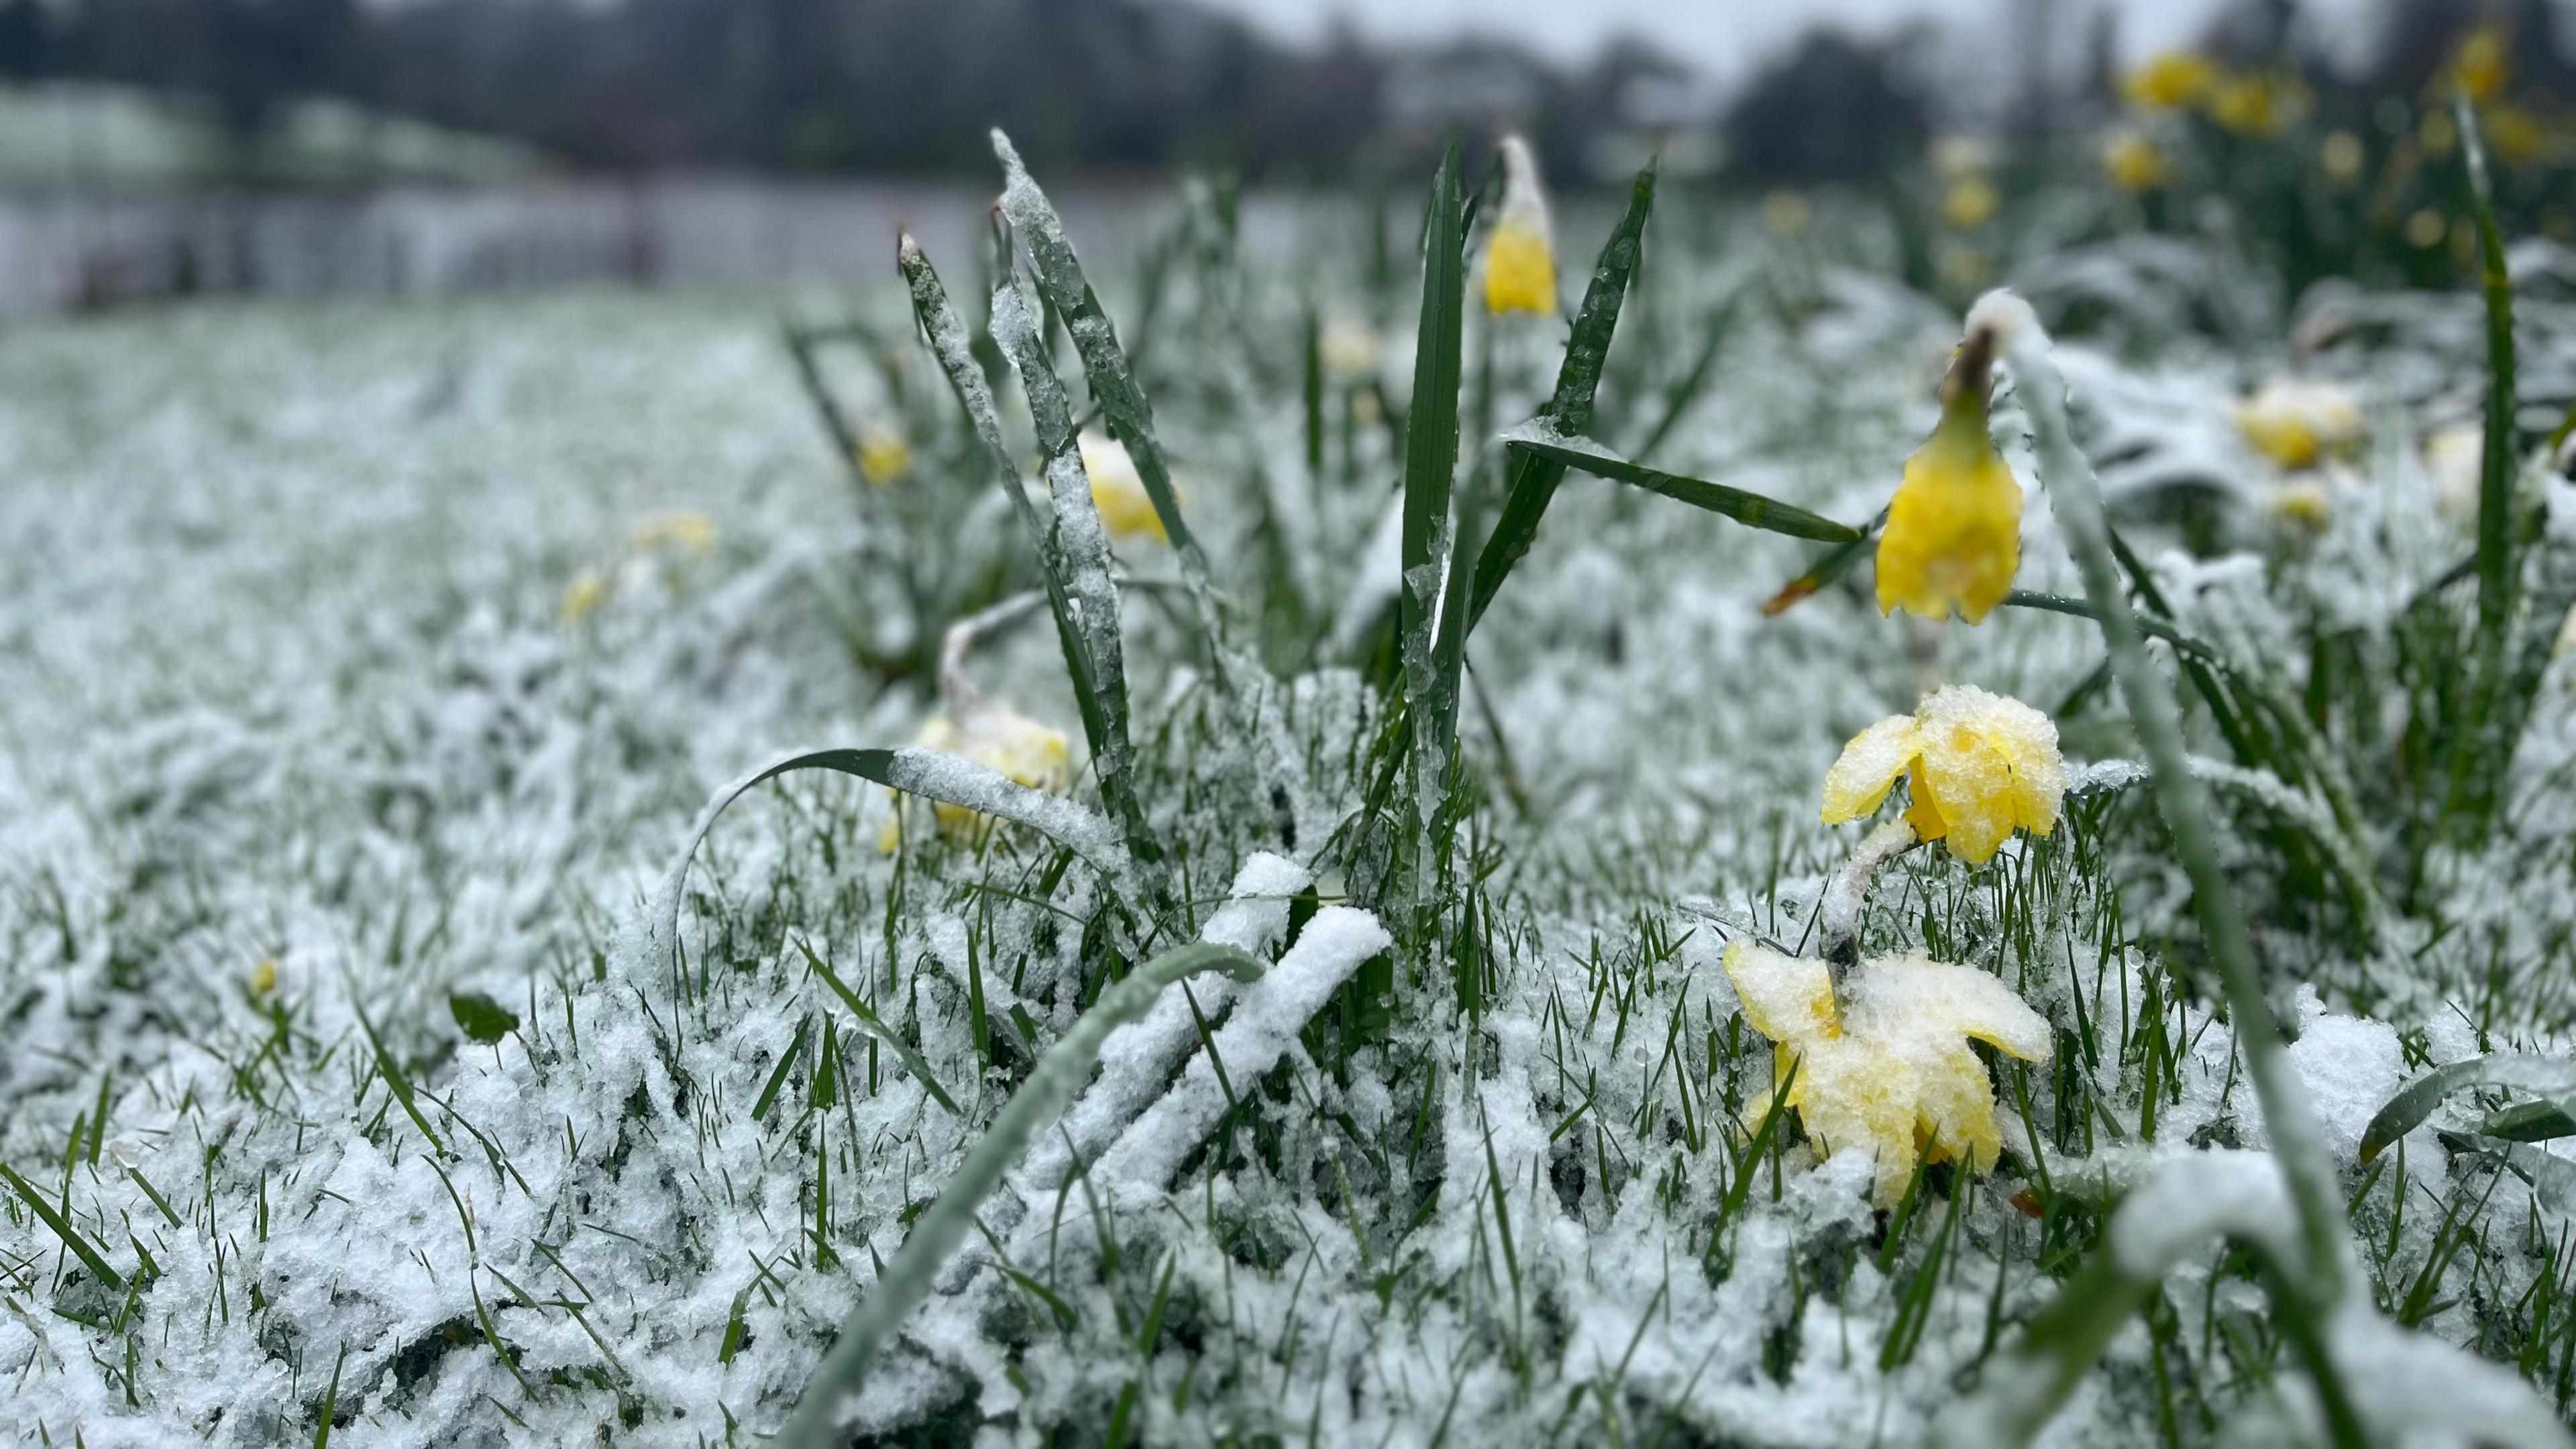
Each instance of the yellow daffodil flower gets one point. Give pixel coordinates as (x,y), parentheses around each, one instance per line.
(1890,1069)
(1520,256)
(1118,490)
(999,739)
(2341,157)
(2295,422)
(1980,765)
(2516,135)
(2172,81)
(1971,202)
(2481,67)
(2133,160)
(2258,104)
(582,597)
(1956,158)
(2305,501)
(263,977)
(685,530)
(1953,535)
(883,456)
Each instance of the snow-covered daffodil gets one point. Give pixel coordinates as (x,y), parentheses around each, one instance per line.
(1520,256)
(1000,739)
(683,529)
(582,597)
(1118,490)
(2133,160)
(2295,422)
(1889,1069)
(1980,765)
(2172,81)
(1953,535)
(263,977)
(883,456)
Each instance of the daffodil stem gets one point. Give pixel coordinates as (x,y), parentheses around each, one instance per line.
(1838,914)
(2287,1113)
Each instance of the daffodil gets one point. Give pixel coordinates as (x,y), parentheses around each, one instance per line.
(263,977)
(1980,765)
(1956,157)
(1520,256)
(1889,1068)
(883,456)
(1350,347)
(2133,160)
(582,597)
(2295,422)
(1000,739)
(2257,104)
(2341,157)
(1971,202)
(1953,535)
(2480,66)
(1118,490)
(685,530)
(2172,81)
(2305,501)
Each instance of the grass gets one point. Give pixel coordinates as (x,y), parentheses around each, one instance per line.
(518,1165)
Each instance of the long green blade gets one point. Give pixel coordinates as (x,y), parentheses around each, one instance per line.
(1532,478)
(1753,510)
(2551,1078)
(1430,470)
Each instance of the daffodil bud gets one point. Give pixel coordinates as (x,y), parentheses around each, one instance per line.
(883,456)
(2295,422)
(1953,534)
(1520,256)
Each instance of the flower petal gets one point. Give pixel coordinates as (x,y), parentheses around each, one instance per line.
(1970,783)
(1786,998)
(2028,740)
(1859,781)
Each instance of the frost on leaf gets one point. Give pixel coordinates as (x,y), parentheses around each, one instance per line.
(1891,1071)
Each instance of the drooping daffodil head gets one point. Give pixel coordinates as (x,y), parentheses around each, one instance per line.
(1978,767)
(1000,739)
(2295,422)
(1520,255)
(883,456)
(1953,535)
(1889,1069)
(1118,490)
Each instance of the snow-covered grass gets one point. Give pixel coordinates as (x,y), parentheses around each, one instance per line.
(366,669)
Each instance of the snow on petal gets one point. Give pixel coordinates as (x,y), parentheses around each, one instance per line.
(1859,781)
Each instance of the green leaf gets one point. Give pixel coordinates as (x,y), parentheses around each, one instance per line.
(97,1262)
(1830,565)
(483,1020)
(1750,509)
(1431,466)
(2553,1078)
(869,1022)
(1532,479)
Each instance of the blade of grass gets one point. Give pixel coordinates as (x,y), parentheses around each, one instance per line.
(2551,1078)
(935,1234)
(1532,480)
(875,1026)
(2481,750)
(90,1257)
(1430,538)
(1750,509)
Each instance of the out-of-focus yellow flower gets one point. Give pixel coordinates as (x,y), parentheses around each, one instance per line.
(1000,739)
(2257,103)
(2172,81)
(2454,457)
(1956,158)
(2438,133)
(2516,135)
(1118,490)
(883,456)
(685,530)
(2341,157)
(263,977)
(1980,765)
(1890,1070)
(2305,501)
(1520,256)
(2426,228)
(1970,203)
(2295,422)
(1786,214)
(582,597)
(1953,534)
(1350,347)
(2480,67)
(2133,160)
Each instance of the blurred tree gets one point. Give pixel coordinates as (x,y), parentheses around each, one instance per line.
(1835,109)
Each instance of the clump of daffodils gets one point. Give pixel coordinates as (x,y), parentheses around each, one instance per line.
(1953,535)
(2296,422)
(1118,490)
(1000,739)
(1520,255)
(1887,1069)
(883,456)
(1978,766)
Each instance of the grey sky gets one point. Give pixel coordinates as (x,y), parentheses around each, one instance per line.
(1727,38)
